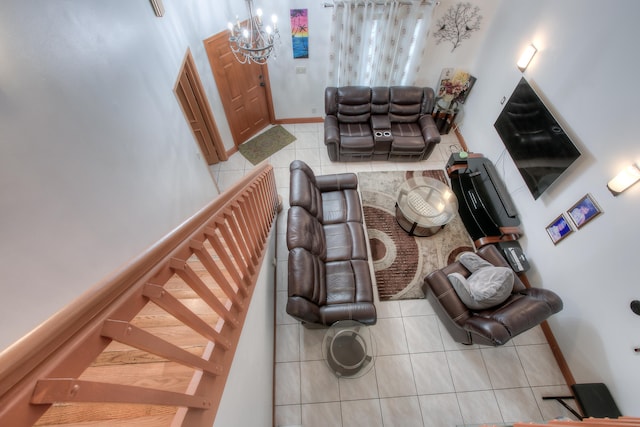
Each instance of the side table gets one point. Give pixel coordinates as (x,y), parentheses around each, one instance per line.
(444,116)
(349,349)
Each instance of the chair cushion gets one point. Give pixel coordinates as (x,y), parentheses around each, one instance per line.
(345,241)
(485,288)
(473,262)
(407,138)
(305,231)
(306,276)
(348,282)
(405,103)
(341,206)
(354,104)
(356,137)
(406,129)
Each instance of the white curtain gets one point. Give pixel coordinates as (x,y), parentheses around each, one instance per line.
(377,43)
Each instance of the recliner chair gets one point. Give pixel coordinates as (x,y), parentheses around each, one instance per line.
(348,121)
(521,311)
(411,122)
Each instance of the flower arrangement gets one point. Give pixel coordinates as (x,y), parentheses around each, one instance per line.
(455,86)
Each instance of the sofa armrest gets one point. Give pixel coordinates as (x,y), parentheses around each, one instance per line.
(550,298)
(332,137)
(490,329)
(429,129)
(336,182)
(429,100)
(303,309)
(331,130)
(492,254)
(438,284)
(363,312)
(331,101)
(380,122)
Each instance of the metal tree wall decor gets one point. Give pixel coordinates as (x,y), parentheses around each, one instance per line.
(457,24)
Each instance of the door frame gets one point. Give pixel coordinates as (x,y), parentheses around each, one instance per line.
(189,67)
(225,104)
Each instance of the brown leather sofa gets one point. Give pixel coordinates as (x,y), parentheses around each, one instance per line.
(329,277)
(522,310)
(379,123)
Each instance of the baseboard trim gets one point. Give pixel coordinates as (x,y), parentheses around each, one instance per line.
(299,120)
(461,140)
(553,343)
(232,150)
(557,354)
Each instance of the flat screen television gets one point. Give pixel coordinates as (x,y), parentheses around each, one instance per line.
(538,145)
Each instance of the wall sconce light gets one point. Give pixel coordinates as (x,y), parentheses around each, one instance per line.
(526,57)
(625,179)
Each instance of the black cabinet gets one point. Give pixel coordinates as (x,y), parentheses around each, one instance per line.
(484,204)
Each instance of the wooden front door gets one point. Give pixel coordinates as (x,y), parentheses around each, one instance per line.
(244,89)
(190,94)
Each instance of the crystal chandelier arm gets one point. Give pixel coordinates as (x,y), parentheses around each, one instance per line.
(251,42)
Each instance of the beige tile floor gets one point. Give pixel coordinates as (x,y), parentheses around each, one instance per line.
(421,377)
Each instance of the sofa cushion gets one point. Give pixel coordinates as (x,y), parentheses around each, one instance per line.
(345,241)
(380,100)
(405,103)
(341,285)
(354,104)
(473,262)
(485,288)
(356,137)
(306,276)
(400,130)
(305,231)
(348,282)
(341,206)
(407,139)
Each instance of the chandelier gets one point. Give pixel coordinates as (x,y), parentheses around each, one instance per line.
(250,41)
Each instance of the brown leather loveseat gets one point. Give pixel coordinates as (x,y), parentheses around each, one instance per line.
(329,277)
(523,309)
(379,123)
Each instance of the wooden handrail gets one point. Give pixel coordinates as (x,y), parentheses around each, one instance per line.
(226,239)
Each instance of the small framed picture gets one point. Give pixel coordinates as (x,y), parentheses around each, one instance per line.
(584,211)
(559,229)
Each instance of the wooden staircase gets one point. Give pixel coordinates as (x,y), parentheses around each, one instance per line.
(153,345)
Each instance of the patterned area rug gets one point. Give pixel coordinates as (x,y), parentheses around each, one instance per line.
(401,262)
(264,145)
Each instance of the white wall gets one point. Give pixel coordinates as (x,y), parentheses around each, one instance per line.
(439,56)
(248,395)
(584,70)
(96,159)
(300,95)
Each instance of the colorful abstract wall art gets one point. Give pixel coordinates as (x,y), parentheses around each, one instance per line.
(300,33)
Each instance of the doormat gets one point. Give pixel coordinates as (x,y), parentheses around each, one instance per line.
(401,262)
(264,145)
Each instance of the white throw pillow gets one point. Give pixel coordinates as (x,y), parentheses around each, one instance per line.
(485,288)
